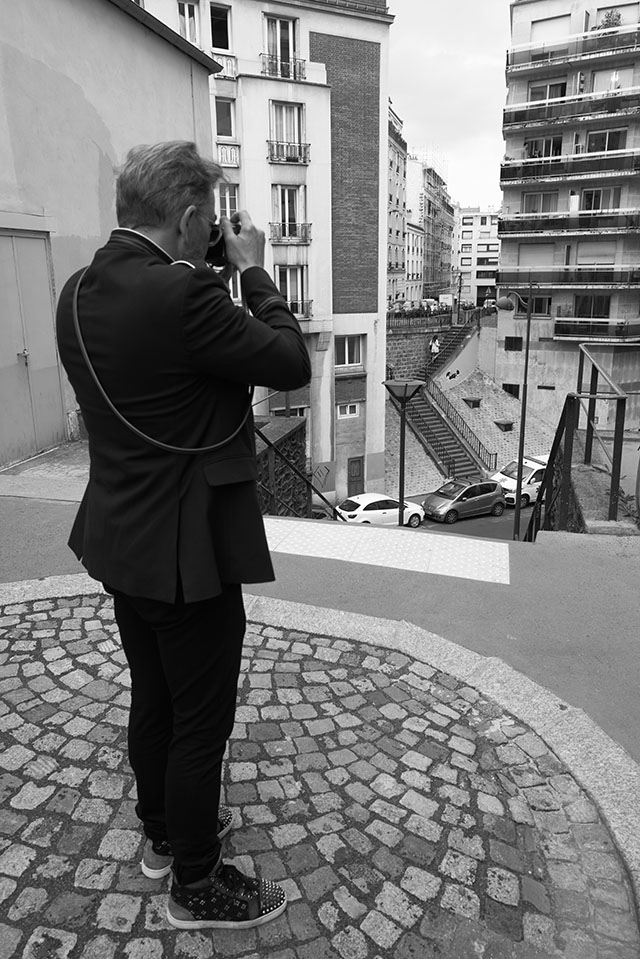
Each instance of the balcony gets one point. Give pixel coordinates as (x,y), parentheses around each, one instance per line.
(289,69)
(229,66)
(581,277)
(594,44)
(301,308)
(229,154)
(290,232)
(596,328)
(281,152)
(582,221)
(621,102)
(603,163)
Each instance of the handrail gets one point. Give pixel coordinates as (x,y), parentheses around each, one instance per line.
(334,513)
(432,444)
(551,510)
(490,460)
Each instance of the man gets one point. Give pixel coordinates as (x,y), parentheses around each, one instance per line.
(172,535)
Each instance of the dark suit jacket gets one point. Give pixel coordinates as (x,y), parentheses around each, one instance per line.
(175,356)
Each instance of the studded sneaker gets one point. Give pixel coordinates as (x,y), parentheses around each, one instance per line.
(226,899)
(157,857)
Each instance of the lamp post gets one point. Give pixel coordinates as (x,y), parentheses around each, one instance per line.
(504,303)
(403,391)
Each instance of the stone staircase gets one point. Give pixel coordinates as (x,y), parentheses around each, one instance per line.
(450,342)
(440,441)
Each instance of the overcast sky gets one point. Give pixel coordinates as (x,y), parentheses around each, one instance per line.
(447,84)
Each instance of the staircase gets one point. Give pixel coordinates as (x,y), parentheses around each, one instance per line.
(438,438)
(450,342)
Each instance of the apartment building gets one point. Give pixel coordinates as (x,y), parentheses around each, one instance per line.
(571,193)
(476,250)
(300,121)
(396,212)
(414,260)
(429,205)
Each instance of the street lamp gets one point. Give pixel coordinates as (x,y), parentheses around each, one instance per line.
(403,391)
(504,303)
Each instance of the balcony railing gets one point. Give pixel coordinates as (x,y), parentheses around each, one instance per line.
(594,43)
(586,104)
(281,152)
(229,66)
(290,232)
(578,328)
(577,164)
(301,308)
(287,69)
(229,154)
(579,221)
(580,276)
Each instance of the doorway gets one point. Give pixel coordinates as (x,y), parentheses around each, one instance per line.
(355,475)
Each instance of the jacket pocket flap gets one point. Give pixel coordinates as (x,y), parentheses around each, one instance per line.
(223,472)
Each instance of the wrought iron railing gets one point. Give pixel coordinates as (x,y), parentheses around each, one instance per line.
(610,221)
(578,328)
(553,507)
(568,108)
(279,151)
(290,232)
(592,43)
(288,68)
(577,164)
(594,275)
(488,459)
(301,308)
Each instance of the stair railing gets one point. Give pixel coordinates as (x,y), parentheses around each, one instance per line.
(434,447)
(446,407)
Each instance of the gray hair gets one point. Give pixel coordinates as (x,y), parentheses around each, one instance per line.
(157,183)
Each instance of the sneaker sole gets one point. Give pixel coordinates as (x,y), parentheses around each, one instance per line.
(155,873)
(224,923)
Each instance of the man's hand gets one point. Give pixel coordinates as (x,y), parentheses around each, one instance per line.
(243,240)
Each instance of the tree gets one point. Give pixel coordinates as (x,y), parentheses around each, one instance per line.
(611,19)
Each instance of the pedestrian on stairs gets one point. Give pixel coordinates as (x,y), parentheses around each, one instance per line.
(434,347)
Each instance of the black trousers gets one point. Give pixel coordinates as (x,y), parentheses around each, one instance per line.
(184,661)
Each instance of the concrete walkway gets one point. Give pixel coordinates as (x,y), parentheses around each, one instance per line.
(416,799)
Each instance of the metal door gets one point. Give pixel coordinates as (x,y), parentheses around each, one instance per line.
(31,407)
(355,475)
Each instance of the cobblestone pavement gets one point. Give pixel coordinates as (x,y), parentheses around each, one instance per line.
(406,815)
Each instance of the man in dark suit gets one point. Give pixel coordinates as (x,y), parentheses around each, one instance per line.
(172,534)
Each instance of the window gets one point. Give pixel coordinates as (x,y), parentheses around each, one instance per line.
(512,388)
(543,147)
(281,40)
(219,27)
(348,409)
(606,140)
(467,221)
(473,402)
(505,425)
(466,248)
(588,305)
(488,247)
(606,199)
(485,274)
(224,117)
(288,210)
(483,221)
(540,202)
(543,387)
(291,281)
(513,344)
(487,261)
(540,305)
(467,234)
(465,261)
(228,198)
(348,350)
(606,81)
(287,122)
(548,91)
(188,21)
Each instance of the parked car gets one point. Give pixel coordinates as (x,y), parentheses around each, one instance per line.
(459,499)
(379,510)
(533,468)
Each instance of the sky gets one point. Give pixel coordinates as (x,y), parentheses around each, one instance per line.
(447,84)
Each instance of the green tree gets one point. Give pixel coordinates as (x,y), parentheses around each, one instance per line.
(611,19)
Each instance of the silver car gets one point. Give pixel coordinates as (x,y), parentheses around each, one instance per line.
(459,499)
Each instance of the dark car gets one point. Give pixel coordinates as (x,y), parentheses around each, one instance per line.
(459,499)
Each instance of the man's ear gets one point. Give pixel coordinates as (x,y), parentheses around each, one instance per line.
(185,220)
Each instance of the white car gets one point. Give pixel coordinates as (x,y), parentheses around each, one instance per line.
(378,509)
(533,468)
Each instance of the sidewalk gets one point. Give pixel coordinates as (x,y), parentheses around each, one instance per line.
(415,799)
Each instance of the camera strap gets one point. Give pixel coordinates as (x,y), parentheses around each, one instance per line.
(134,429)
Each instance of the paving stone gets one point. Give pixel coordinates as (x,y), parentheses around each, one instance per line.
(404,814)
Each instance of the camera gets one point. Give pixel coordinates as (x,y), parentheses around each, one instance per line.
(216,255)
